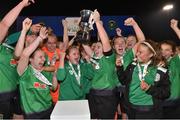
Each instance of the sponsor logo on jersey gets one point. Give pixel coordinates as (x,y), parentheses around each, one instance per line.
(36,84)
(13,62)
(39,85)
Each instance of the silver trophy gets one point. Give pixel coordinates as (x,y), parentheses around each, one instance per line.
(86,26)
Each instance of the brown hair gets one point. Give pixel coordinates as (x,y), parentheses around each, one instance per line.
(116,37)
(70,48)
(37,49)
(50,35)
(157,57)
(171,43)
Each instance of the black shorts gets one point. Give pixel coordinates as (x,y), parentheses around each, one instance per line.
(171,109)
(16,104)
(40,115)
(144,112)
(7,104)
(103,106)
(6,109)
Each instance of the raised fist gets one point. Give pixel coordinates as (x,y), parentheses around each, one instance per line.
(130,22)
(118,32)
(27,2)
(27,24)
(96,15)
(173,23)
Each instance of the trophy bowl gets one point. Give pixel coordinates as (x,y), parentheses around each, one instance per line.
(85,17)
(83,35)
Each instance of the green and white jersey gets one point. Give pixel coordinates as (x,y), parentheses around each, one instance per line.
(128,57)
(137,96)
(174,73)
(88,82)
(8,73)
(105,73)
(34,94)
(72,87)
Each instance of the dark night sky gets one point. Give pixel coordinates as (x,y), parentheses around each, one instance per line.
(153,21)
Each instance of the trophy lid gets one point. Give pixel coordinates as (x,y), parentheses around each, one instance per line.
(86,11)
(85,14)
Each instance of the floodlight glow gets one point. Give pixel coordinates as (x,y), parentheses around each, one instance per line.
(168,7)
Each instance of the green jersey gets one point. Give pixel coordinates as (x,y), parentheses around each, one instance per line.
(137,96)
(8,73)
(74,80)
(128,58)
(105,73)
(13,38)
(34,94)
(86,83)
(174,73)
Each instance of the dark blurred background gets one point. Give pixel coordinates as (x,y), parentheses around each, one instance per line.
(154,22)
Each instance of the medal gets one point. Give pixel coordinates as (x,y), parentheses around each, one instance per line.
(95,63)
(77,76)
(142,73)
(97,67)
(41,77)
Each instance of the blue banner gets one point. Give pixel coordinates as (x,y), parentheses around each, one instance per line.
(110,24)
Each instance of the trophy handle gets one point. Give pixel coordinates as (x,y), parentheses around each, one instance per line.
(91,21)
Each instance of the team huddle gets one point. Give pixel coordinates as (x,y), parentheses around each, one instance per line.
(132,77)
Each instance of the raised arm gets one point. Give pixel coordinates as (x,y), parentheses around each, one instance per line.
(118,31)
(61,72)
(174,26)
(11,16)
(62,55)
(88,50)
(65,34)
(24,59)
(71,41)
(20,44)
(139,34)
(101,31)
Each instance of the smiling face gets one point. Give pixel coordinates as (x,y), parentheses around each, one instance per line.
(98,50)
(130,42)
(119,46)
(143,54)
(166,50)
(93,46)
(37,60)
(73,55)
(51,43)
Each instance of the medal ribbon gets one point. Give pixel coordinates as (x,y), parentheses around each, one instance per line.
(143,74)
(77,76)
(41,77)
